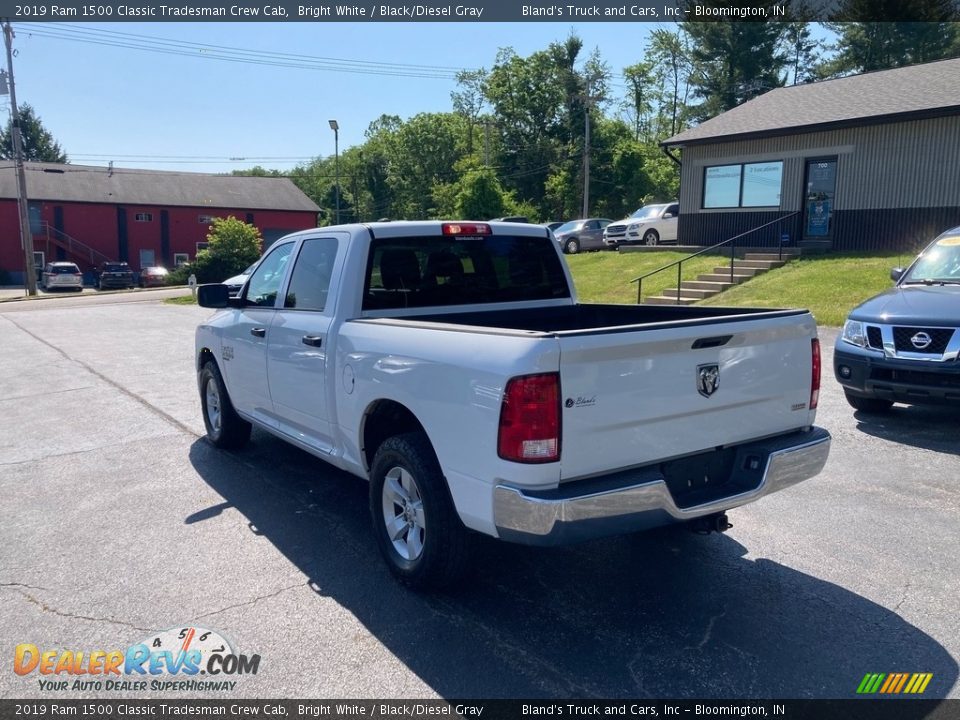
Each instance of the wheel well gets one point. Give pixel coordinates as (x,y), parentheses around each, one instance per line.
(205,357)
(384,419)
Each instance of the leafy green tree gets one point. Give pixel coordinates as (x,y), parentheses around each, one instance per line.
(38,143)
(233,246)
(480,196)
(930,31)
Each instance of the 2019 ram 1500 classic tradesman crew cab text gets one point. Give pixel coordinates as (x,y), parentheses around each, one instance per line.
(450,364)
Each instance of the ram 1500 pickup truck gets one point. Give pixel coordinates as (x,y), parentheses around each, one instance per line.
(450,364)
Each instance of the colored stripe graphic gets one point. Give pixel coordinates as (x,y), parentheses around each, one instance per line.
(894,683)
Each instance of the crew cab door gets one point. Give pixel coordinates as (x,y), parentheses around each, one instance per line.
(299,345)
(245,340)
(669,224)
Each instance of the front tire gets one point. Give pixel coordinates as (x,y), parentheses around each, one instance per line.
(651,238)
(572,246)
(868,405)
(415,522)
(225,429)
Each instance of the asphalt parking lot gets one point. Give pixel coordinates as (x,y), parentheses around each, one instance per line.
(118,520)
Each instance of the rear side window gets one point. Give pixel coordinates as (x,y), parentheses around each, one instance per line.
(438,271)
(310,281)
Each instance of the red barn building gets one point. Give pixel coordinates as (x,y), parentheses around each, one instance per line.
(92,214)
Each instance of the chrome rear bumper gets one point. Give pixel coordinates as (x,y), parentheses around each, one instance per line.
(640,499)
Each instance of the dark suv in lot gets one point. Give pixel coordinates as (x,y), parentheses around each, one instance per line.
(903,345)
(114,274)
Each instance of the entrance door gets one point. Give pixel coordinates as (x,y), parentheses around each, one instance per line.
(818,200)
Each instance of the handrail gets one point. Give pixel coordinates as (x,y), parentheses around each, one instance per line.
(71,244)
(679,263)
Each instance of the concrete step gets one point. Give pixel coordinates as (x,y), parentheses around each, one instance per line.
(685,291)
(724,277)
(715,285)
(763,264)
(738,270)
(772,256)
(672,300)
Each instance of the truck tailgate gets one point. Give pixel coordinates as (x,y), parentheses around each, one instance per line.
(632,397)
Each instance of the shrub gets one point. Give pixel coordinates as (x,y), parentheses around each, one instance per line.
(233,246)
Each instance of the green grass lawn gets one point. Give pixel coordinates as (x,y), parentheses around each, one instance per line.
(604,277)
(182,300)
(830,286)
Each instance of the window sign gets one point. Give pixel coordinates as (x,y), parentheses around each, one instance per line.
(721,187)
(761,184)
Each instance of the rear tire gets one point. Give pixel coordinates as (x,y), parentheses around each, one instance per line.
(225,429)
(415,522)
(868,405)
(572,246)
(651,238)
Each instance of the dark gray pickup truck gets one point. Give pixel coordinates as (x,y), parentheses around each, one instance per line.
(903,345)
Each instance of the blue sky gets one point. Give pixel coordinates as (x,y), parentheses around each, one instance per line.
(103,102)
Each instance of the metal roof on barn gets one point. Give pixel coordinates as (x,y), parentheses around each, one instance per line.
(55,182)
(917,91)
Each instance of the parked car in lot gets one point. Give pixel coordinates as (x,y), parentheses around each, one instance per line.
(235,284)
(585,234)
(650,225)
(61,276)
(903,345)
(153,277)
(451,366)
(114,274)
(552,226)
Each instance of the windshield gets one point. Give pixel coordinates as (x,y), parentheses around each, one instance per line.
(939,262)
(568,227)
(647,212)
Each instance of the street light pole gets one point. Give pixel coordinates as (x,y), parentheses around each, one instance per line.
(26,236)
(336,155)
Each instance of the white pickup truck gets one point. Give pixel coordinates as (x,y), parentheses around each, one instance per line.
(450,364)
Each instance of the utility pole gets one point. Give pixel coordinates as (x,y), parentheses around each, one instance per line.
(26,236)
(586,154)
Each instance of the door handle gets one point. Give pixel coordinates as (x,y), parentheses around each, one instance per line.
(312,340)
(258,332)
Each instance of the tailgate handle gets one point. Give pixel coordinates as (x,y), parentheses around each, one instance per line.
(711,342)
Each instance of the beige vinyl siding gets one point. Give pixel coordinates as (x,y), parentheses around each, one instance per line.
(913,164)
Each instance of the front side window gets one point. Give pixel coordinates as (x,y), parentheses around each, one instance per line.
(310,280)
(265,282)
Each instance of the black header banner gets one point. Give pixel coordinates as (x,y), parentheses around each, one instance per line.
(566,11)
(108,709)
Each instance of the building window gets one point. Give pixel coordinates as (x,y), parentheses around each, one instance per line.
(180,259)
(143,217)
(204,219)
(745,185)
(202,246)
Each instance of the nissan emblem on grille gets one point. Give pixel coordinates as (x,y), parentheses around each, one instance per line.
(708,379)
(921,340)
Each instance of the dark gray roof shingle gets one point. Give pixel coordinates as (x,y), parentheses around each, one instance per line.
(81,183)
(931,88)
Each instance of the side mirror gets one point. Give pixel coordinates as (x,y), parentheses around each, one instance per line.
(896,274)
(215,295)
(667,215)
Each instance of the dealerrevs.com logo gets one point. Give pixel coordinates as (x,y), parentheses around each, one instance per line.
(179,659)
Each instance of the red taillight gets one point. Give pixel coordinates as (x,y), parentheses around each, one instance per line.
(530,419)
(466,229)
(815,374)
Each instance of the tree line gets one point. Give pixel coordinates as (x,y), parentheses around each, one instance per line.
(515,137)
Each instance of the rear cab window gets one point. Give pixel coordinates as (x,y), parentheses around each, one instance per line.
(435,271)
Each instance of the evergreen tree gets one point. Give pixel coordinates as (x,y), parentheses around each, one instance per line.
(38,143)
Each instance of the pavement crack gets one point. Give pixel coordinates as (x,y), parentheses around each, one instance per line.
(17,587)
(254,601)
(22,585)
(906,594)
(708,633)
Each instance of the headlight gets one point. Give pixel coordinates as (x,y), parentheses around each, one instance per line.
(854,334)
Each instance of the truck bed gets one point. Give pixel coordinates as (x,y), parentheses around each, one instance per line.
(589,318)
